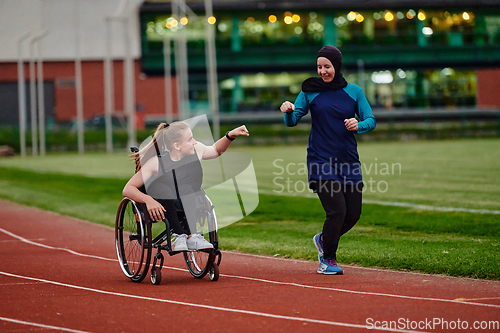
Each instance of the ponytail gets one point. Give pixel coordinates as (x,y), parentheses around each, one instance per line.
(164,137)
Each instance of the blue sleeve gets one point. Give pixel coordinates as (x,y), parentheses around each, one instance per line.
(367,121)
(301,109)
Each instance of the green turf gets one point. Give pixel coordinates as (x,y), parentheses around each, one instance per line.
(91,199)
(462,173)
(454,173)
(458,244)
(91,164)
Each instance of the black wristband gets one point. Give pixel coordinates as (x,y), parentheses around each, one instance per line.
(228,137)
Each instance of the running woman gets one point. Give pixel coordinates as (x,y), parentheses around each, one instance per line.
(334,168)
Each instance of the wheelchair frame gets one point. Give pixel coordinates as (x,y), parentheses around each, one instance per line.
(134,243)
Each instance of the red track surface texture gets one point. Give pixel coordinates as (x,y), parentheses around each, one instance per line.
(61,274)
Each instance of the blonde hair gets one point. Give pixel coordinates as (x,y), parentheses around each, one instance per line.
(164,138)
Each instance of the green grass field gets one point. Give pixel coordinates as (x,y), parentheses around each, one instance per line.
(457,173)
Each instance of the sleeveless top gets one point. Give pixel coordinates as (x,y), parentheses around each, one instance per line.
(185,175)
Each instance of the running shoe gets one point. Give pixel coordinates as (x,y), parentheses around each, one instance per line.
(318,242)
(329,266)
(179,242)
(197,242)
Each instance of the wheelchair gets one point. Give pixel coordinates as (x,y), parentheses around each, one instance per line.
(135,243)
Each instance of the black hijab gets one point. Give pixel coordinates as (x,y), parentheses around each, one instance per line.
(316,83)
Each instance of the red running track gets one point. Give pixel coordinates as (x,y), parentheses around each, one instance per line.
(61,274)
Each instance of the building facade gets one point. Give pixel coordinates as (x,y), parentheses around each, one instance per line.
(405,54)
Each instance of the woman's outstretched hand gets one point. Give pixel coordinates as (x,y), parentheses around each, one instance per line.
(351,124)
(239,131)
(287,107)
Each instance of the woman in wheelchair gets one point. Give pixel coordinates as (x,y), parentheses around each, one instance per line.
(169,175)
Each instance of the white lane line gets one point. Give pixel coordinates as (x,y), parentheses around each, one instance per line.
(433,208)
(271,281)
(362,292)
(13,240)
(391,203)
(209,307)
(360,267)
(22,239)
(41,325)
(18,283)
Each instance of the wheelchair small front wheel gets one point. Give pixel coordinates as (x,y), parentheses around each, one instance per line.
(213,274)
(155,275)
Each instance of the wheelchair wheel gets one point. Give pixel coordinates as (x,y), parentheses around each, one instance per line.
(200,262)
(132,240)
(155,275)
(213,274)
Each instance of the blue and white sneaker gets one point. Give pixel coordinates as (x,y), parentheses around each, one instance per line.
(318,242)
(329,266)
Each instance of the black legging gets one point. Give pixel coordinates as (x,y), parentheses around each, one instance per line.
(187,203)
(172,216)
(342,205)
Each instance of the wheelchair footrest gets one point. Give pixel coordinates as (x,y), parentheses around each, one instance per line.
(164,247)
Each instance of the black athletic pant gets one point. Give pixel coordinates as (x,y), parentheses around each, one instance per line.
(188,205)
(172,217)
(342,205)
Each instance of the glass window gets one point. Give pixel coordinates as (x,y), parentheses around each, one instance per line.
(491,29)
(407,88)
(260,92)
(452,28)
(274,28)
(376,27)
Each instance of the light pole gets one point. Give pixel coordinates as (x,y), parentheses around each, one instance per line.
(34,133)
(129,85)
(168,80)
(78,82)
(129,75)
(41,97)
(108,88)
(211,63)
(21,93)
(181,61)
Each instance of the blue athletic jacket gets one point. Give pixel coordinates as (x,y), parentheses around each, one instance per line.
(332,151)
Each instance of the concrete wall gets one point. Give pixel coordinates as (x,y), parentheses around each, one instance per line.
(63,19)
